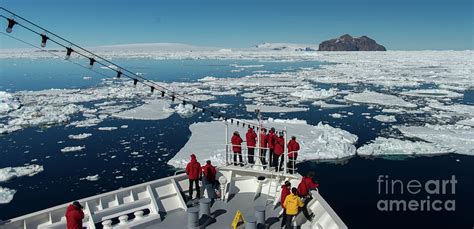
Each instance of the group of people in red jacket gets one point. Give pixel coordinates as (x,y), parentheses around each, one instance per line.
(295,199)
(195,173)
(272,141)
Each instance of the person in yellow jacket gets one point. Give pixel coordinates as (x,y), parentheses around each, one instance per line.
(291,204)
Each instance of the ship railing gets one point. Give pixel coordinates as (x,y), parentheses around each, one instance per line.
(261,159)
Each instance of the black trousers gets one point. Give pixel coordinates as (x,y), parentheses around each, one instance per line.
(240,157)
(304,209)
(198,190)
(283,218)
(271,160)
(275,162)
(291,165)
(263,154)
(250,155)
(289,218)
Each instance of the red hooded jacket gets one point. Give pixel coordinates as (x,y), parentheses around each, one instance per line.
(193,169)
(271,139)
(236,141)
(293,148)
(280,146)
(263,140)
(251,138)
(209,172)
(285,191)
(305,185)
(74,217)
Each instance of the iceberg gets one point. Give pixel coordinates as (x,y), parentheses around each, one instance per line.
(317,142)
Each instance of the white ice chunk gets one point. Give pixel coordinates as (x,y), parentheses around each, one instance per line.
(315,94)
(458,138)
(151,110)
(435,93)
(391,146)
(79,136)
(107,128)
(6,195)
(371,97)
(385,118)
(91,178)
(13,172)
(72,149)
(274,109)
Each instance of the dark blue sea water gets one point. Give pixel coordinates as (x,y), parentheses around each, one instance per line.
(350,187)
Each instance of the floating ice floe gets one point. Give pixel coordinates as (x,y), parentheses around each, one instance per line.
(274,109)
(7,103)
(385,118)
(107,128)
(91,178)
(323,105)
(152,110)
(316,142)
(184,110)
(460,139)
(14,172)
(220,105)
(315,94)
(72,149)
(6,195)
(466,122)
(79,136)
(461,109)
(371,97)
(390,146)
(336,115)
(435,93)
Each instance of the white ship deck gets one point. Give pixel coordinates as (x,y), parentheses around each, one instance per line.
(164,205)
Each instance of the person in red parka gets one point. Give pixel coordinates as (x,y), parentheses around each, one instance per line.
(293,148)
(193,170)
(304,187)
(271,141)
(210,173)
(74,216)
(285,191)
(236,147)
(251,138)
(279,149)
(263,146)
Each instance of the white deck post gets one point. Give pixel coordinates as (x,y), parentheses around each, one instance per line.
(226,143)
(285,154)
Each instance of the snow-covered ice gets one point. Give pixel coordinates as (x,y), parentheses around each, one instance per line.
(460,139)
(152,110)
(274,109)
(372,97)
(6,195)
(436,93)
(311,94)
(317,142)
(107,128)
(390,146)
(72,149)
(79,136)
(91,178)
(385,118)
(13,172)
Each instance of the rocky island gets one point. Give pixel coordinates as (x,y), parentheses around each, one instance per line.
(348,43)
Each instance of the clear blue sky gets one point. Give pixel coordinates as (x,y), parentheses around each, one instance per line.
(397,24)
